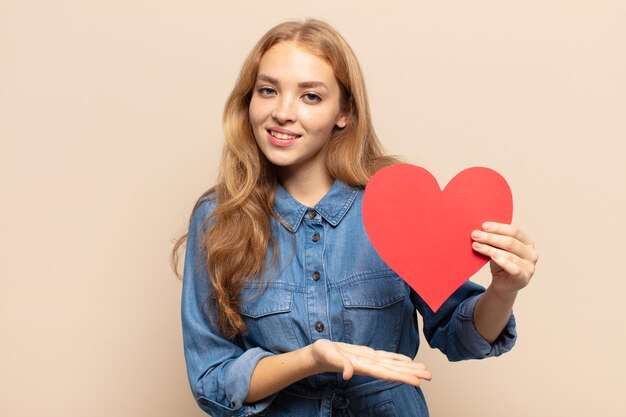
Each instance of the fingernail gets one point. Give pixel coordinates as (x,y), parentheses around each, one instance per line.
(477,234)
(487,226)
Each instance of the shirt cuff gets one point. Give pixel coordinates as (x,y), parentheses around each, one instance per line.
(474,342)
(237,385)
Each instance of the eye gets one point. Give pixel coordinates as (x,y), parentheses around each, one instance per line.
(265,91)
(312,98)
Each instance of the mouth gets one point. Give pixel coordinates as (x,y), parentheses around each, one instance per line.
(282,135)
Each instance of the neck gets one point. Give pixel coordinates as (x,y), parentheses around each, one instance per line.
(307,186)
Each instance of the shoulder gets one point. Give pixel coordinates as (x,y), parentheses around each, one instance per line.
(203,209)
(206,204)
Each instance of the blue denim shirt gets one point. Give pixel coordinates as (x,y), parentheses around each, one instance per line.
(330,283)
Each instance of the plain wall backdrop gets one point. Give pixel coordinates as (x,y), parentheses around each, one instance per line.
(110,129)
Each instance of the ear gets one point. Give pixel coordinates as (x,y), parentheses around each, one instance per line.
(341,121)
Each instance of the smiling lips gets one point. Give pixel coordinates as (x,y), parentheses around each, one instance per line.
(281,137)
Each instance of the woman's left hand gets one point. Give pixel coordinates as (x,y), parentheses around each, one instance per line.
(513,255)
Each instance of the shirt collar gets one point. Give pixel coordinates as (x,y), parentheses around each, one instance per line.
(332,207)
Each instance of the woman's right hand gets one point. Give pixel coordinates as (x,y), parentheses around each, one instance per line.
(350,359)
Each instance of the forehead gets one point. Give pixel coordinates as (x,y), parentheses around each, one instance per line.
(288,61)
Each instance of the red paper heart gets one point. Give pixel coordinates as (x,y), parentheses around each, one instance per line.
(424,233)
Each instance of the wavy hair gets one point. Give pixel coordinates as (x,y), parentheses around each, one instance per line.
(236,242)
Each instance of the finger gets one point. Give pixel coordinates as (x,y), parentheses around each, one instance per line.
(500,256)
(421,373)
(367,362)
(508,266)
(509,262)
(397,373)
(507,243)
(408,365)
(391,373)
(393,355)
(507,230)
(366,350)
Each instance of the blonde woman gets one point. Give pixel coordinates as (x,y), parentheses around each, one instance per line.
(286,308)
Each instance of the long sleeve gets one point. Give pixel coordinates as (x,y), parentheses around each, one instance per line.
(452,331)
(219,370)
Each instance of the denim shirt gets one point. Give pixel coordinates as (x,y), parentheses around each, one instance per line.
(329,284)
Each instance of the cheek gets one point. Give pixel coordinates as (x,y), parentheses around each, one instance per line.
(256,112)
(318,122)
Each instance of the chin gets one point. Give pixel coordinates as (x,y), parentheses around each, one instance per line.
(280,162)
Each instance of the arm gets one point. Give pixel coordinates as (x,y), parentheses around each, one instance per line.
(218,370)
(451,329)
(274,373)
(492,312)
(513,259)
(474,323)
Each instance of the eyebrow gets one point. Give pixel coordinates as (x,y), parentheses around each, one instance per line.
(304,84)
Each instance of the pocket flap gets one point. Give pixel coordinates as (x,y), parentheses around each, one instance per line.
(372,293)
(270,301)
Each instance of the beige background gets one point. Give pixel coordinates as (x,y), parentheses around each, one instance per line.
(110,129)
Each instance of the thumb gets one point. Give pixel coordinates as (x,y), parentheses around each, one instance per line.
(348,369)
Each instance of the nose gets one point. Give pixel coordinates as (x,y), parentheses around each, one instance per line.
(285,110)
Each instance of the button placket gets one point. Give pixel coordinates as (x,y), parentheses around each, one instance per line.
(316,292)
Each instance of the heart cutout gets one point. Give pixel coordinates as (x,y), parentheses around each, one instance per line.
(424,233)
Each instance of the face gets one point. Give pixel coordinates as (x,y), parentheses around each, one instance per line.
(294,108)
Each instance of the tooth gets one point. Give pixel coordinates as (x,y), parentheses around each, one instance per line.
(283,136)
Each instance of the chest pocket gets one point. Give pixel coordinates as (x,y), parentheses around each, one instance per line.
(267,314)
(373,311)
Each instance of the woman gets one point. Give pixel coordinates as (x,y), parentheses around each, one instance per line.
(287,309)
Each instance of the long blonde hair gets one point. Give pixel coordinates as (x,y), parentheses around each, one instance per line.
(237,241)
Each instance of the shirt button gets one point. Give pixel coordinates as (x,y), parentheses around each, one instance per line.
(316,276)
(319,326)
(315,237)
(203,401)
(311,214)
